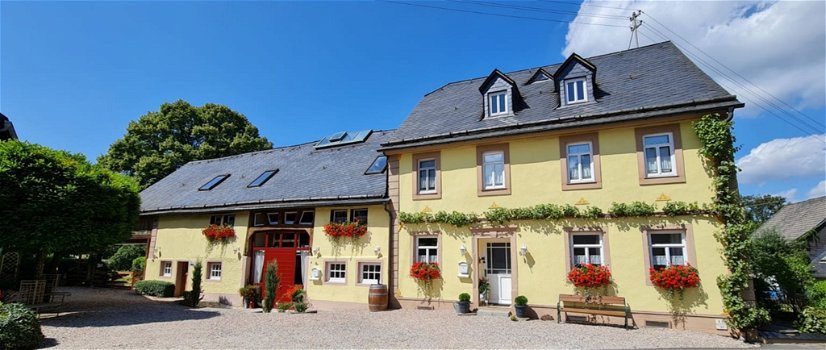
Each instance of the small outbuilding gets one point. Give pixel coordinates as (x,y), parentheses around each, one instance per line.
(803,221)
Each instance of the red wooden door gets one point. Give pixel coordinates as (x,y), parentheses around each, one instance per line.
(281,249)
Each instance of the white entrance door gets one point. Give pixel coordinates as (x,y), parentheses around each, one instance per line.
(498,270)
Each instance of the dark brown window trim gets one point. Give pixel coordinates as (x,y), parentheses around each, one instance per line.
(424,156)
(674,129)
(480,179)
(564,141)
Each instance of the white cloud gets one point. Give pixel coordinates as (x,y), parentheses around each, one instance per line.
(788,194)
(818,191)
(779,46)
(782,159)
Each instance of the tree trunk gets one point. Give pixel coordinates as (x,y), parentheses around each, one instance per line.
(40,262)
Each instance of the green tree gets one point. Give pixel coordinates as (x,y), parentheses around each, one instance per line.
(160,142)
(193,297)
(760,208)
(783,266)
(53,201)
(122,259)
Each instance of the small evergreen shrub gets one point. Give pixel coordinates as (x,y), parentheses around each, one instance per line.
(19,327)
(155,288)
(521,300)
(193,297)
(270,286)
(464,297)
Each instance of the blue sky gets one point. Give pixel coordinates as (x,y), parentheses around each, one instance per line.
(73,74)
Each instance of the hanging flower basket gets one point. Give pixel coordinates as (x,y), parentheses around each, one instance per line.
(425,272)
(346,229)
(218,233)
(675,277)
(590,276)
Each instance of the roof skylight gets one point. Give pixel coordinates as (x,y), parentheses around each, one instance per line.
(263,178)
(343,138)
(378,166)
(214,182)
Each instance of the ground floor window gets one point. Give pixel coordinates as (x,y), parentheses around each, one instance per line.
(667,248)
(336,272)
(587,249)
(214,271)
(166,268)
(427,249)
(370,273)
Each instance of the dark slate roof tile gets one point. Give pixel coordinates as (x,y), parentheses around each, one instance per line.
(796,219)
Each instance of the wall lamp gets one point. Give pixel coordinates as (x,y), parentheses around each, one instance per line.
(524,250)
(462,250)
(377,250)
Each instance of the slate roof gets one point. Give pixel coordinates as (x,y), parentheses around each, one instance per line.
(307,177)
(794,220)
(640,83)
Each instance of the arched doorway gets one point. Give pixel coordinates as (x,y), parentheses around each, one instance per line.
(290,249)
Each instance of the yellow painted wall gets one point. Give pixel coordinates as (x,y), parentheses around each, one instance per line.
(350,252)
(179,238)
(536,178)
(541,274)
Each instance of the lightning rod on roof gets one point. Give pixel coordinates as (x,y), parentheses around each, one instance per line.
(634,26)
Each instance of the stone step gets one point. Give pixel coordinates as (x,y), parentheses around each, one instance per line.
(489,311)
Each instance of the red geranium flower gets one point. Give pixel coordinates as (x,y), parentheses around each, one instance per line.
(675,277)
(590,276)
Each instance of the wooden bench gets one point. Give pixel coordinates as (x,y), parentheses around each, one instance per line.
(598,305)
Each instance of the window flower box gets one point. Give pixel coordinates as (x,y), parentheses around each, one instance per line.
(215,232)
(425,272)
(345,229)
(675,278)
(590,276)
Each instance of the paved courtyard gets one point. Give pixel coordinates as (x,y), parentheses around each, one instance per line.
(106,318)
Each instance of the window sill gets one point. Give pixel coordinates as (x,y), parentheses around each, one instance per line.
(665,179)
(494,192)
(426,196)
(333,283)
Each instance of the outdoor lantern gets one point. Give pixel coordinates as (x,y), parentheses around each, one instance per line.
(524,250)
(377,250)
(462,250)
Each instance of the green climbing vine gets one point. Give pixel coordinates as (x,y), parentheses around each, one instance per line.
(717,150)
(500,216)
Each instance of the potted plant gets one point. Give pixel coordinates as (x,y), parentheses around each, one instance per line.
(463,305)
(590,279)
(521,305)
(484,290)
(250,295)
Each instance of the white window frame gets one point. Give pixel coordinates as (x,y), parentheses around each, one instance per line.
(166,268)
(343,271)
(667,247)
(333,215)
(600,245)
(430,258)
(295,218)
(270,217)
(494,96)
(572,92)
(431,180)
(303,213)
(656,147)
(590,154)
(493,186)
(362,271)
(215,273)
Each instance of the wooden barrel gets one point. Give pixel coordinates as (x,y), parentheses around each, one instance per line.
(377,297)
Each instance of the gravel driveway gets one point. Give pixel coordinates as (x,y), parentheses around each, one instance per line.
(105,318)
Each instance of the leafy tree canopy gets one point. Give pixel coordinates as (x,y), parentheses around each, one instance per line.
(160,142)
(122,259)
(54,201)
(760,208)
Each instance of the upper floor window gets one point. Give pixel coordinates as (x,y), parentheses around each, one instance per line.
(214,182)
(587,249)
(427,176)
(307,217)
(659,155)
(359,215)
(427,249)
(575,91)
(580,164)
(493,170)
(497,103)
(667,249)
(338,216)
(378,166)
(226,220)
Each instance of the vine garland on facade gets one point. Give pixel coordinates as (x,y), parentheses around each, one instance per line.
(501,216)
(717,149)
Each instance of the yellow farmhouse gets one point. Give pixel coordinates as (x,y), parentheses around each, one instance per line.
(596,139)
(277,203)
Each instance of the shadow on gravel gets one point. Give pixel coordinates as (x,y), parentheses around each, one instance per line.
(48,343)
(90,307)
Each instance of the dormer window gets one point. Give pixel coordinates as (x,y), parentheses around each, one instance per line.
(575,91)
(498,103)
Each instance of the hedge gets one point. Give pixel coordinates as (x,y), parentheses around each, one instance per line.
(19,327)
(155,288)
